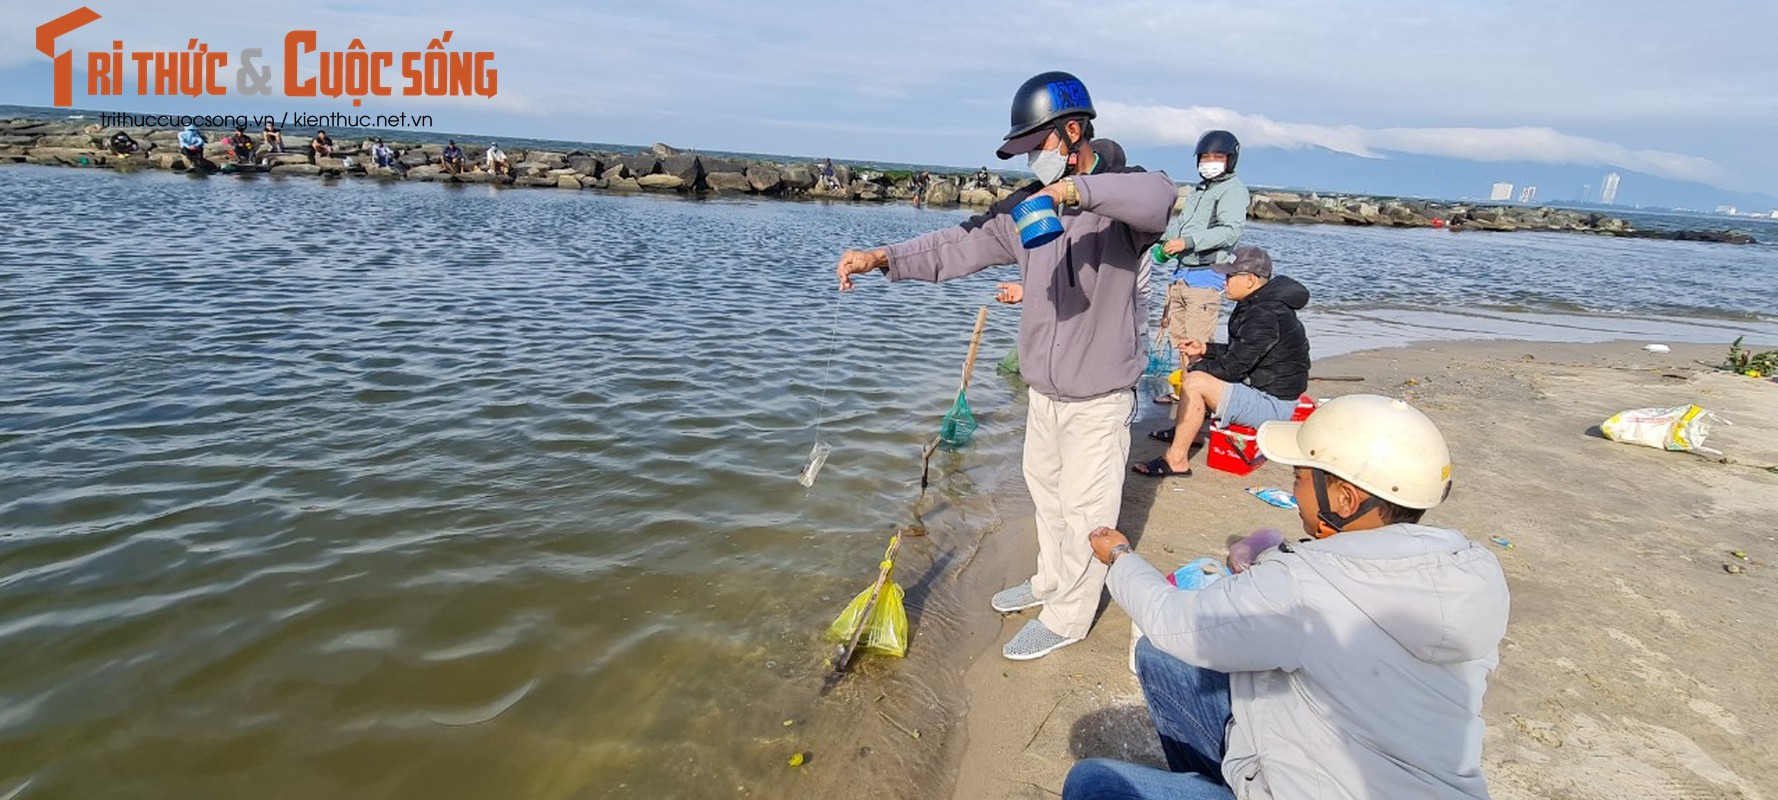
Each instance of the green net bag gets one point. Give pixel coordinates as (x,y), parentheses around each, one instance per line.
(959,424)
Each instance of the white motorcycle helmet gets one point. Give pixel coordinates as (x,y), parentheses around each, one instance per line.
(1379,444)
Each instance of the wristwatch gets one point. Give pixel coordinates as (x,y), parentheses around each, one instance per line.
(1116,550)
(1070,192)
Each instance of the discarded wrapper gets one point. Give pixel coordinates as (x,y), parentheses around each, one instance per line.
(1277,497)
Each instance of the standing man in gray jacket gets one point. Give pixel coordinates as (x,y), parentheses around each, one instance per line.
(1078,344)
(1203,234)
(1349,665)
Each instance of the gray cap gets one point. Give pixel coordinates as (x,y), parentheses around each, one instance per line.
(1248,259)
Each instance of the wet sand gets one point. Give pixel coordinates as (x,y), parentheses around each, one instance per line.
(1635,665)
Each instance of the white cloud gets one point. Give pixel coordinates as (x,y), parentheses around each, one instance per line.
(1168,125)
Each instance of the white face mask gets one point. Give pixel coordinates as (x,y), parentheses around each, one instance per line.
(1211,170)
(1047,165)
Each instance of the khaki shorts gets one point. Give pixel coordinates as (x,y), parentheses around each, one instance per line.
(1192,313)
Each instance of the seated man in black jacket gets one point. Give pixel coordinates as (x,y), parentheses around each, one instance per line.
(1256,377)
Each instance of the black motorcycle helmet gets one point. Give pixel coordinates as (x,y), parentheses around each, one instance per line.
(1220,142)
(1041,103)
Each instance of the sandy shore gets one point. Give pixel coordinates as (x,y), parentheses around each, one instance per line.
(1634,665)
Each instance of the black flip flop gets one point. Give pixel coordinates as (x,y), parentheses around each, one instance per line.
(1164,435)
(1159,468)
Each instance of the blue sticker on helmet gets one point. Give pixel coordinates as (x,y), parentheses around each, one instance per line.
(1068,95)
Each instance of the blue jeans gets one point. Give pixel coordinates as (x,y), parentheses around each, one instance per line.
(1190,708)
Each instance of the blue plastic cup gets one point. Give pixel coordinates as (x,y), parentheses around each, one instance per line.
(1037,221)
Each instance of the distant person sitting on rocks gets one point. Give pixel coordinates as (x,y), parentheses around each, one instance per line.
(1257,377)
(497,160)
(242,145)
(274,138)
(452,158)
(322,145)
(828,181)
(981,178)
(383,156)
(922,182)
(122,144)
(191,145)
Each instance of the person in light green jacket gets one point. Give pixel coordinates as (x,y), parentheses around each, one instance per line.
(1204,233)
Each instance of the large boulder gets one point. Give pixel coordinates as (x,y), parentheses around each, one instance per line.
(622,184)
(430,172)
(662,182)
(764,178)
(613,173)
(866,190)
(585,164)
(554,159)
(941,193)
(1266,210)
(639,165)
(531,169)
(797,178)
(688,169)
(72,141)
(329,164)
(728,182)
(976,197)
(662,150)
(535,181)
(416,158)
(567,182)
(712,164)
(296,169)
(67,156)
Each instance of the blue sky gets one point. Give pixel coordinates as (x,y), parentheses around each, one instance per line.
(1679,92)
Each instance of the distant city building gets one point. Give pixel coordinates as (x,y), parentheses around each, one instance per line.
(1528,194)
(1502,191)
(1608,190)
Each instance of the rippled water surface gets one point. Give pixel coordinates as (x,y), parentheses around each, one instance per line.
(347,490)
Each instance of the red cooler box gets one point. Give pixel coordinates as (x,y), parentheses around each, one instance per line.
(1235,448)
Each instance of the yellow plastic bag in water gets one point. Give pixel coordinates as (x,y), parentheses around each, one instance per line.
(886,631)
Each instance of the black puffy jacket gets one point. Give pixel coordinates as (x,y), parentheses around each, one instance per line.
(1267,347)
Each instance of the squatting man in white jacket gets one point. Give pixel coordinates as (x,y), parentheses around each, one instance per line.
(1351,664)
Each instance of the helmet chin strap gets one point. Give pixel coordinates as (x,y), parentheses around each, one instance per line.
(1331,520)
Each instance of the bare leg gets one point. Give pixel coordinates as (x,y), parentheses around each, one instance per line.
(1202,394)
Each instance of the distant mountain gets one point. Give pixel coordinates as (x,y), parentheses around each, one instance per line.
(1453,179)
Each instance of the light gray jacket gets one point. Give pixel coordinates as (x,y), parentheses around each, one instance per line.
(1356,663)
(1211,221)
(1078,333)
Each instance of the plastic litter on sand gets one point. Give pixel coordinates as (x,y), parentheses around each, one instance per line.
(1276,497)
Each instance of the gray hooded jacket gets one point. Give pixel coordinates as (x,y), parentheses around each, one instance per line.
(1356,663)
(1078,332)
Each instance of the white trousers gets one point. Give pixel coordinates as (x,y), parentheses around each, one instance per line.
(1076,455)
